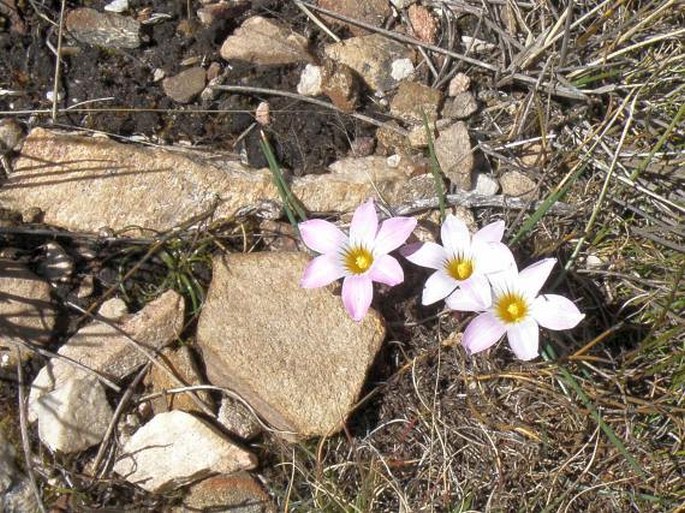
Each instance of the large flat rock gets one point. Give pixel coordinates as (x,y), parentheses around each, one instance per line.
(293,354)
(85,183)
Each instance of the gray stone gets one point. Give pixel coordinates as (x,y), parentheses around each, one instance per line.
(75,415)
(310,81)
(105,349)
(26,310)
(372,57)
(57,265)
(461,106)
(453,150)
(185,86)
(175,449)
(237,419)
(11,135)
(265,42)
(106,29)
(486,185)
(516,184)
(293,354)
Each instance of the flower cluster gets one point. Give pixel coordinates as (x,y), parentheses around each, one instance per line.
(471,273)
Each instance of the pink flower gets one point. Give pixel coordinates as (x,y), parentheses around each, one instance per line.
(519,311)
(359,259)
(462,263)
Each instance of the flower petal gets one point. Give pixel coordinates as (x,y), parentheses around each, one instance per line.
(492,257)
(524,339)
(556,312)
(321,271)
(393,233)
(428,254)
(438,286)
(492,232)
(472,296)
(455,235)
(321,236)
(482,332)
(364,225)
(386,269)
(533,277)
(357,293)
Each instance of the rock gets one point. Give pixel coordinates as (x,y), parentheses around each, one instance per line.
(310,81)
(262,41)
(237,419)
(418,138)
(461,106)
(373,12)
(175,449)
(418,188)
(237,493)
(26,310)
(11,135)
(113,309)
(453,151)
(106,29)
(185,86)
(413,100)
(516,184)
(117,6)
(401,69)
(362,146)
(213,12)
(75,415)
(104,349)
(341,85)
(390,140)
(350,182)
(402,4)
(372,57)
(533,155)
(460,83)
(486,185)
(105,183)
(293,354)
(180,363)
(57,265)
(424,26)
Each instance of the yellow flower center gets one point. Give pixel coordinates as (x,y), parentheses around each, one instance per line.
(511,308)
(459,268)
(358,260)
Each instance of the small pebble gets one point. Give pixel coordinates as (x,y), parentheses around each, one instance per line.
(117,6)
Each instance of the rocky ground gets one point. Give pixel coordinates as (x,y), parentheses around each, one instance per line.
(156,350)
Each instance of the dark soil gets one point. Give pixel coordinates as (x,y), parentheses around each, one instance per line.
(115,93)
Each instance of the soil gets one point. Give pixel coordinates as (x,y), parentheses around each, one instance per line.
(117,90)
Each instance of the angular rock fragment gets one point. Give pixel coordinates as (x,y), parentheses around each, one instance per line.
(106,29)
(75,415)
(105,348)
(486,185)
(461,106)
(237,493)
(186,85)
(265,42)
(176,448)
(453,150)
(341,85)
(516,184)
(237,419)
(372,57)
(293,354)
(413,100)
(373,12)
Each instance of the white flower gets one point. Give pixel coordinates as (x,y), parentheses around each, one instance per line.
(461,264)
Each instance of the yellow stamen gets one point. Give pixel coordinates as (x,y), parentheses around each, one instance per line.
(459,268)
(357,260)
(511,308)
